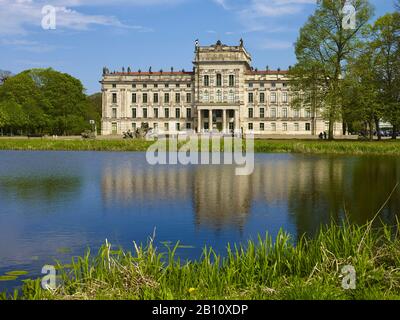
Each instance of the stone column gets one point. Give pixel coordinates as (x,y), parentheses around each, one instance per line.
(224,121)
(210,120)
(237,127)
(199,121)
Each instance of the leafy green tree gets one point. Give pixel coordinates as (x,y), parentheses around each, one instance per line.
(52,102)
(385,48)
(323,49)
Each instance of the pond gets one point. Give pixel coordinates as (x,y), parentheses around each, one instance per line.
(54,205)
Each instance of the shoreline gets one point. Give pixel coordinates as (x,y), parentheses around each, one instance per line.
(265,269)
(350,147)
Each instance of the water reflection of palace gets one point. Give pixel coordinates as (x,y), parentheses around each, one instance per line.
(312,190)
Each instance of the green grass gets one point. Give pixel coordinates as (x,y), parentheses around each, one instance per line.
(261,146)
(262,269)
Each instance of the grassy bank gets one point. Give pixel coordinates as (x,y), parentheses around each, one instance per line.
(261,146)
(264,269)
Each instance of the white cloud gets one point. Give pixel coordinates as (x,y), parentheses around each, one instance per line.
(19,16)
(253,13)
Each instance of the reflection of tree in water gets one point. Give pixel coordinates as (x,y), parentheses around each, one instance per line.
(38,188)
(373,181)
(359,186)
(321,199)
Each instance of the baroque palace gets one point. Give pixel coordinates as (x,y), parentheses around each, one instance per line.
(223,93)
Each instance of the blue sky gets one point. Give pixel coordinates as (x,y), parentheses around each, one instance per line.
(91,34)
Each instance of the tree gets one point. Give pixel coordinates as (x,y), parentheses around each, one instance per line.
(52,102)
(4,75)
(323,49)
(361,97)
(385,48)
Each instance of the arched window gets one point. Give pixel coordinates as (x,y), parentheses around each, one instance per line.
(219,80)
(231,96)
(206,96)
(206,81)
(219,96)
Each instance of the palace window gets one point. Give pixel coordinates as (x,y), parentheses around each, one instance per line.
(231,96)
(206,81)
(155,97)
(284,97)
(262,85)
(133,85)
(144,85)
(250,85)
(166,126)
(188,97)
(307,113)
(178,85)
(144,97)
(231,80)
(273,112)
(296,113)
(178,126)
(262,126)
(188,85)
(262,112)
(114,85)
(155,85)
(156,113)
(177,113)
(114,98)
(231,113)
(262,97)
(166,97)
(251,113)
(134,113)
(155,125)
(284,126)
(206,97)
(273,97)
(284,112)
(250,126)
(219,80)
(251,97)
(219,96)
(133,126)
(308,126)
(145,113)
(273,84)
(177,97)
(114,112)
(134,99)
(188,113)
(188,126)
(166,113)
(167,85)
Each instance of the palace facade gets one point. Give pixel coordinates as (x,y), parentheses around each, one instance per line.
(223,93)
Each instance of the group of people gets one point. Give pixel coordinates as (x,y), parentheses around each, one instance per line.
(323,136)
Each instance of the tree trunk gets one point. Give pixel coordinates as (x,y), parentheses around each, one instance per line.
(371,130)
(344,128)
(331,125)
(394,134)
(378,129)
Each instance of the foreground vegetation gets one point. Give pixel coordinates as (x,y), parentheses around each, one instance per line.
(263,269)
(261,146)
